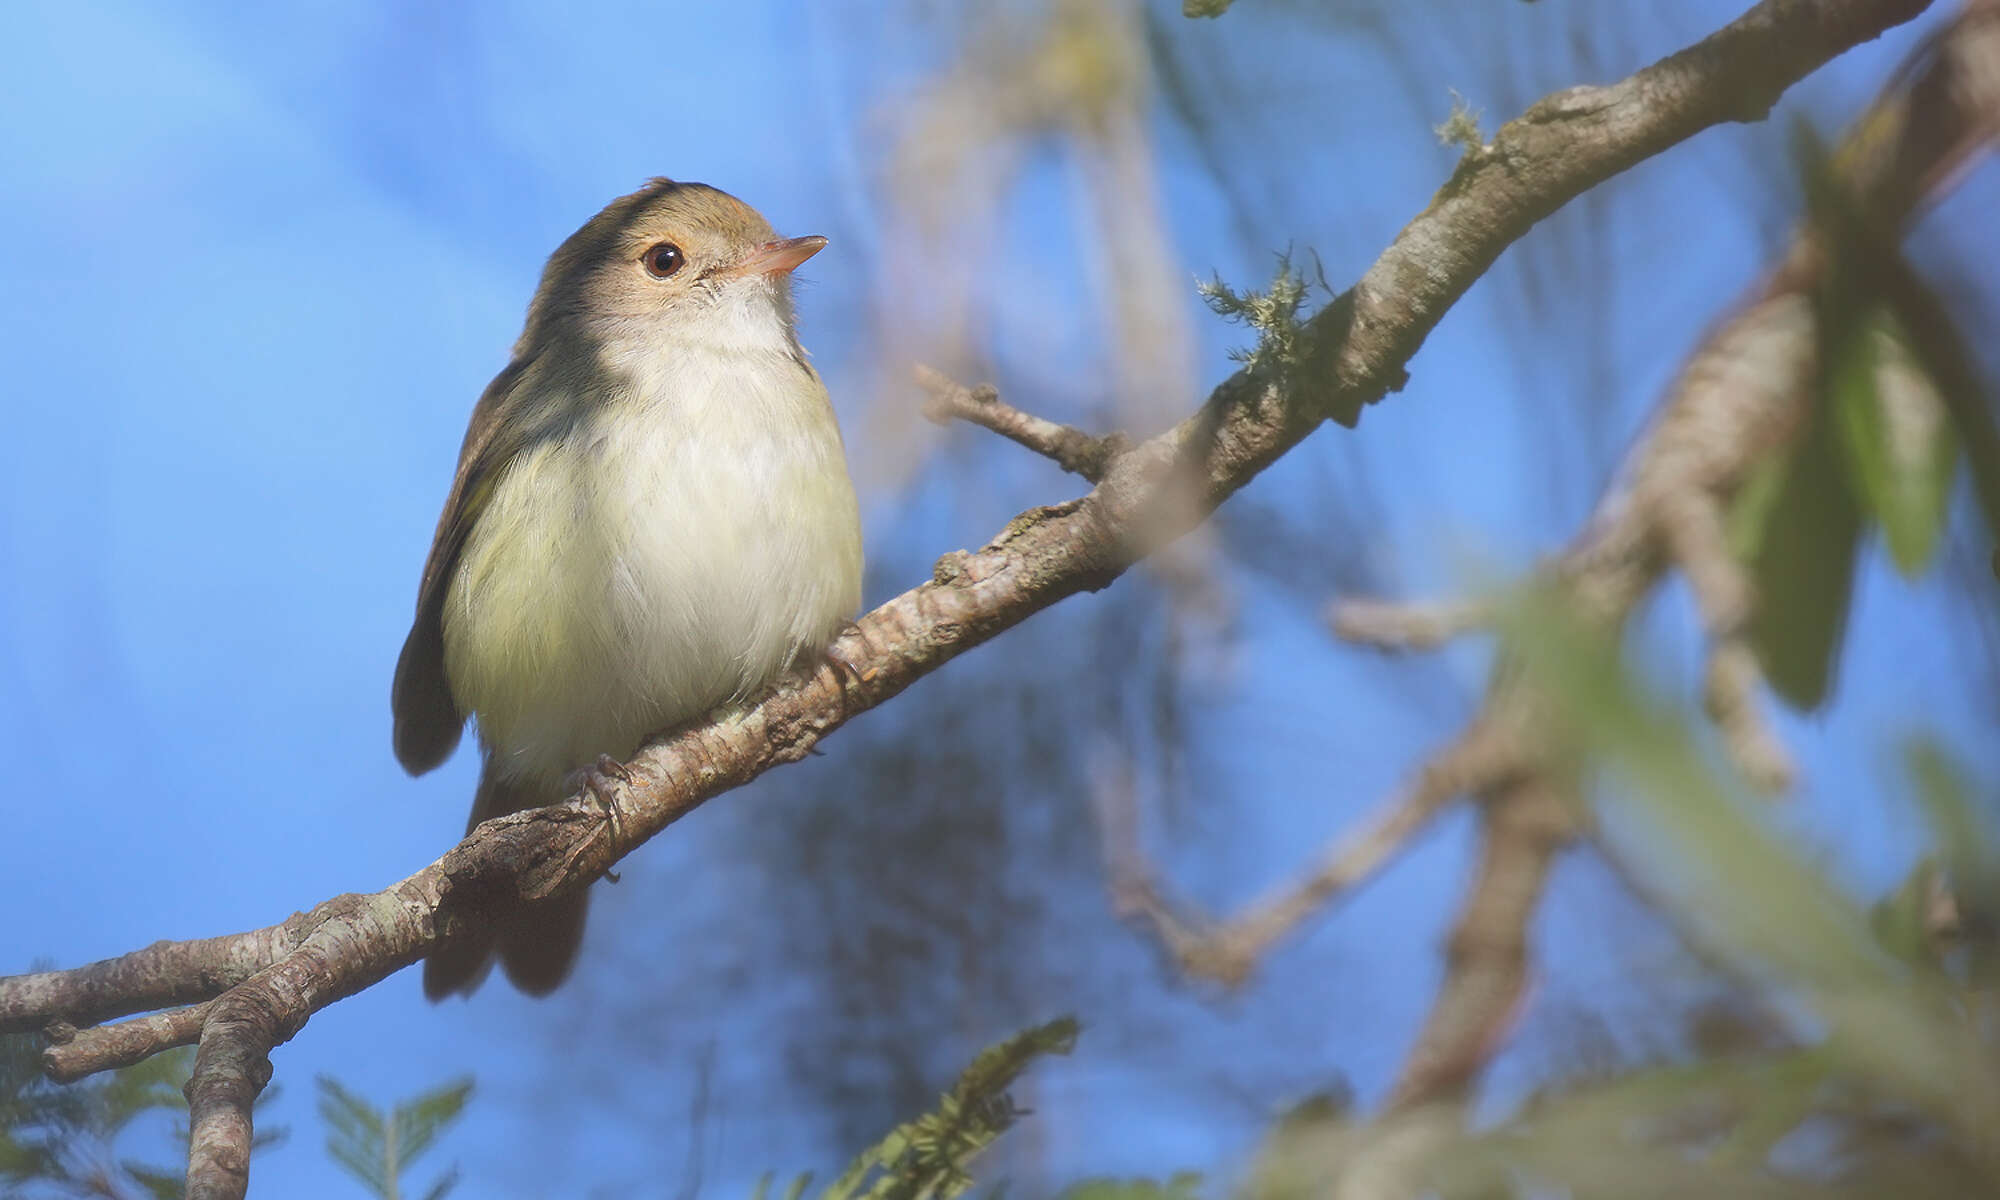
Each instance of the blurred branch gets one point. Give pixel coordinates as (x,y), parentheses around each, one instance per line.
(1524,825)
(1681,833)
(1228,952)
(1407,626)
(1356,350)
(1739,399)
(1070,448)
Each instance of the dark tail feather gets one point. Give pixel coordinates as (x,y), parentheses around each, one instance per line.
(537,945)
(459,966)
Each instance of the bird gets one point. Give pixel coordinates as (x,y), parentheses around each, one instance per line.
(652,516)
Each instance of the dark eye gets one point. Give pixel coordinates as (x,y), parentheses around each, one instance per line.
(663,260)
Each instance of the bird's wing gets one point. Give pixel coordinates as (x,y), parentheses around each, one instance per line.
(428,721)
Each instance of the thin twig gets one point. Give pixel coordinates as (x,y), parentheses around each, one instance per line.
(1406,626)
(1070,448)
(1228,952)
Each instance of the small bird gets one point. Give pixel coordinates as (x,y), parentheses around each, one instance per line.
(652,516)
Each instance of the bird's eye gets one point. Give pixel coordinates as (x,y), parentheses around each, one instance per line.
(663,260)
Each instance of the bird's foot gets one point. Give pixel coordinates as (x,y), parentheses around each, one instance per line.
(841,662)
(844,669)
(601,780)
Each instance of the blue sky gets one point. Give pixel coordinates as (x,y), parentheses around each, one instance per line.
(260,266)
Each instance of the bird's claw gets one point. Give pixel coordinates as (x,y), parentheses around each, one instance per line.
(839,661)
(601,780)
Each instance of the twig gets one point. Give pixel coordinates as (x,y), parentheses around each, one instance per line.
(163,974)
(1229,952)
(1070,448)
(1406,626)
(85,1052)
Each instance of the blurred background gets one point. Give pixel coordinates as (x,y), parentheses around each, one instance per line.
(261,262)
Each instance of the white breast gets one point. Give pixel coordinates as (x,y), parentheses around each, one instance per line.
(678,549)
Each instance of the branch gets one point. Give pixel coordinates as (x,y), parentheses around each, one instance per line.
(1740,395)
(1406,626)
(1229,952)
(1071,448)
(163,974)
(1524,825)
(77,1053)
(1355,351)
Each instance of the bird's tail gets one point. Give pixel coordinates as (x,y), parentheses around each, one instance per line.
(536,944)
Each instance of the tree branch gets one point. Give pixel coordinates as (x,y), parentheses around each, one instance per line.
(77,1053)
(1741,395)
(1071,448)
(1229,952)
(1524,824)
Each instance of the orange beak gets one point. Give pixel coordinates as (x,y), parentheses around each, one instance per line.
(779,257)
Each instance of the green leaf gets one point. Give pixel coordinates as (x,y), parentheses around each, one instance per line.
(420,1120)
(1751,509)
(357,1135)
(1901,919)
(1866,272)
(377,1147)
(1801,527)
(1895,434)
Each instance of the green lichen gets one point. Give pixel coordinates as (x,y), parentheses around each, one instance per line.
(1274,313)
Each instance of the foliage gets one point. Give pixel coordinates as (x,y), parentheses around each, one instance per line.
(1878,1030)
(1858,1053)
(1798,527)
(931,1156)
(1898,403)
(1184,1185)
(378,1147)
(63,1140)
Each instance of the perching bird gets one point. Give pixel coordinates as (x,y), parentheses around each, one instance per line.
(652,516)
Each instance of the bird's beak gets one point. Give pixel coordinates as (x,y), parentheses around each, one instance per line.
(776,258)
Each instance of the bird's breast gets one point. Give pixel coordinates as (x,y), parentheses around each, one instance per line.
(677,548)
